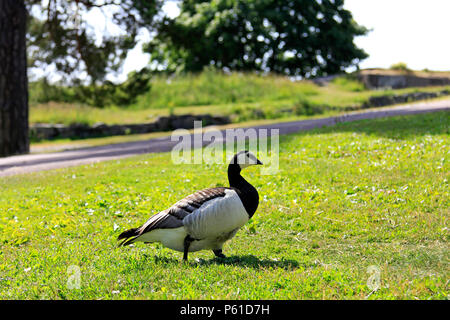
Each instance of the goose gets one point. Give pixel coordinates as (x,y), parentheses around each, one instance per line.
(206,219)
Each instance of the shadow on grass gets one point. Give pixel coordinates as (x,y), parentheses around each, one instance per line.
(248,261)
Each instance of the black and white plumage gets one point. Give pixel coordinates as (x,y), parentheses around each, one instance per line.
(206,219)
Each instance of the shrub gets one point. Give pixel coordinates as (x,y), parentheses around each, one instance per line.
(304,108)
(106,94)
(400,66)
(348,83)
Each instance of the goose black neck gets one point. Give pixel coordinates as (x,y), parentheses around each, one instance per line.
(247,193)
(234,177)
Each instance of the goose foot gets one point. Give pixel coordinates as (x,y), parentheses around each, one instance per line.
(219,254)
(187,243)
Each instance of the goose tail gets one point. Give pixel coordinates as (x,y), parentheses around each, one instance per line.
(129,236)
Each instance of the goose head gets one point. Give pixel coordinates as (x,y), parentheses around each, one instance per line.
(244,159)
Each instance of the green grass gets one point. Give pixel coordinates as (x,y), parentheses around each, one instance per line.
(214,88)
(67,113)
(242,96)
(368,193)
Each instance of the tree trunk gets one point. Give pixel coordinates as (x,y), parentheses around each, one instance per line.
(13,79)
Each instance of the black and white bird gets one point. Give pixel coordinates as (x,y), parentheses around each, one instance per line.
(206,219)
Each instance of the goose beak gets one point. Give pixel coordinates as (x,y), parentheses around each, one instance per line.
(259,162)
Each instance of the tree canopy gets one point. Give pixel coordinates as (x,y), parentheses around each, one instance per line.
(291,37)
(60,35)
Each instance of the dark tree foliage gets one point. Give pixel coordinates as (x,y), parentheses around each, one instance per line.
(101,95)
(59,34)
(109,93)
(291,37)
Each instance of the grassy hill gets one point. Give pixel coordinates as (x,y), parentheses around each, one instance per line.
(242,96)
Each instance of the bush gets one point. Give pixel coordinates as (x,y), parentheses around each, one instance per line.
(107,94)
(304,108)
(400,66)
(42,91)
(348,83)
(246,113)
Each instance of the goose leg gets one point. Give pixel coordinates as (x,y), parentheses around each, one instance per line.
(219,253)
(187,243)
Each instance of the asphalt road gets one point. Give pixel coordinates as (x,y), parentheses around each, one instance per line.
(39,162)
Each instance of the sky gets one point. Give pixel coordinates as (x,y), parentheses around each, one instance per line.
(411,31)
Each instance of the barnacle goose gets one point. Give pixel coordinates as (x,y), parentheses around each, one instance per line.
(206,219)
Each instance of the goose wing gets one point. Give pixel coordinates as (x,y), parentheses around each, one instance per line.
(218,217)
(173,216)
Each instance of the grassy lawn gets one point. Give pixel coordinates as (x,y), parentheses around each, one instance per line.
(361,194)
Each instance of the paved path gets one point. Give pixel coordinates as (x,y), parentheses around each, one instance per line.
(38,162)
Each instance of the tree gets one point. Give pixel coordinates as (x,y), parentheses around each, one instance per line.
(57,34)
(292,37)
(13,79)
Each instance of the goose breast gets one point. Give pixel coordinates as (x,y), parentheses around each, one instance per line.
(217,217)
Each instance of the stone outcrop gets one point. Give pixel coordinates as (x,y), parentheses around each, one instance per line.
(386,100)
(376,81)
(44,131)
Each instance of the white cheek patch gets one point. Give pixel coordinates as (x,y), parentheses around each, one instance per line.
(246,160)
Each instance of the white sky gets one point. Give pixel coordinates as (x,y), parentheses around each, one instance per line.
(412,31)
(136,59)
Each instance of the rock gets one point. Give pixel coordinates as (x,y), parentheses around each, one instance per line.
(183,121)
(162,123)
(380,101)
(221,120)
(376,81)
(41,131)
(78,130)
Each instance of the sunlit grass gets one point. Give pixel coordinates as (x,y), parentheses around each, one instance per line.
(368,193)
(214,88)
